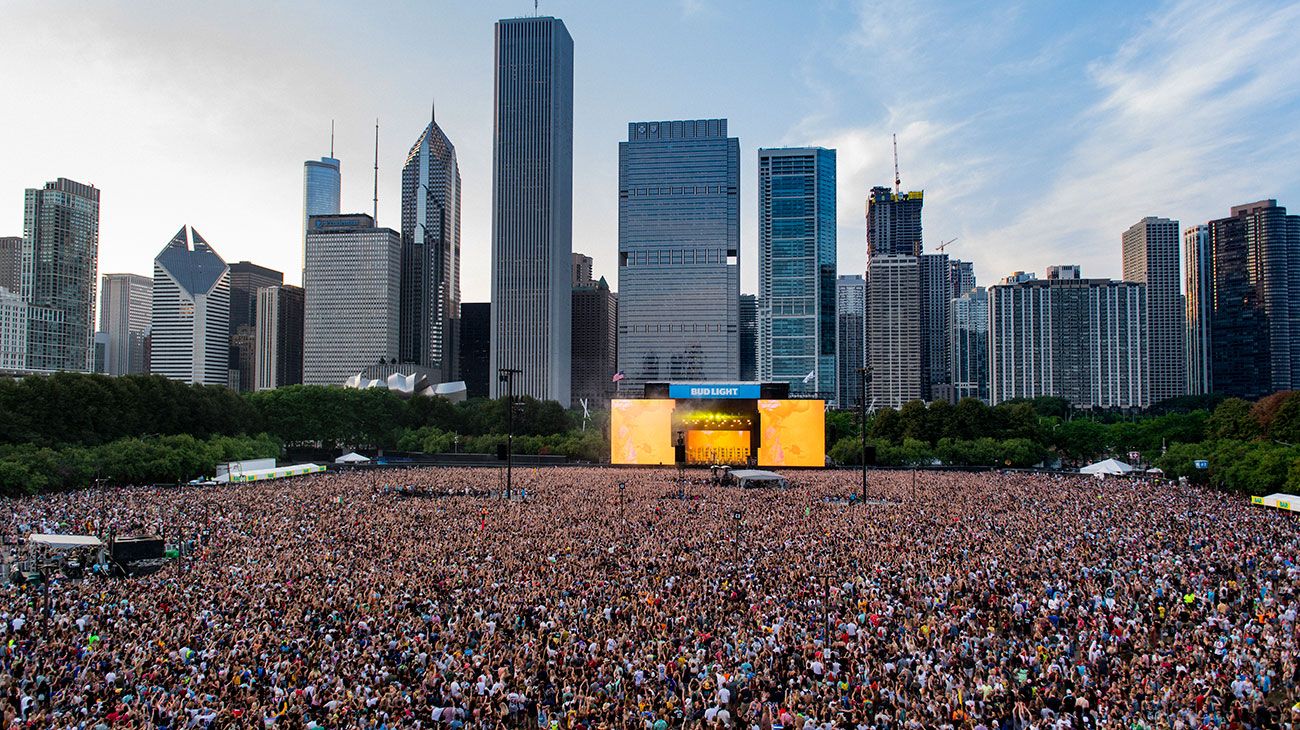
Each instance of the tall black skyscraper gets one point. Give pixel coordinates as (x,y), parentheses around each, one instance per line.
(245,279)
(430,307)
(475,347)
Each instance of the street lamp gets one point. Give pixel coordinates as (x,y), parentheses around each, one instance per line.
(737,517)
(507,376)
(865,372)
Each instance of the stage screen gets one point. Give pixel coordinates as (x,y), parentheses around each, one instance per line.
(793,433)
(717,447)
(641,431)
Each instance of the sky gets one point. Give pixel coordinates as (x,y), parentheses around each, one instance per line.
(1038,131)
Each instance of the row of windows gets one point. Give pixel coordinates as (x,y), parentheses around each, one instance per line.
(677,256)
(677,190)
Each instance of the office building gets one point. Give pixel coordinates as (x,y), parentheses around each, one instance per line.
(935,272)
(1198,307)
(475,347)
(1084,340)
(894,222)
(1150,249)
(796,269)
(595,343)
(1255,301)
(962,276)
(969,348)
(893,327)
(748,317)
(13,332)
(532,207)
(246,278)
(321,189)
(1064,271)
(430,318)
(1017,277)
(190,331)
(582,270)
(125,314)
(59,273)
(11,263)
(850,312)
(679,253)
(352,292)
(278,338)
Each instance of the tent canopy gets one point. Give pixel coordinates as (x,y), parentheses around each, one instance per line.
(280,472)
(757,478)
(351,457)
(65,542)
(1109,466)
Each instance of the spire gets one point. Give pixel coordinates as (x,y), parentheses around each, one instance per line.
(331,139)
(433,111)
(375,217)
(897,181)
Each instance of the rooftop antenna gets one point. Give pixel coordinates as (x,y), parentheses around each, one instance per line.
(376,212)
(535,10)
(897,181)
(331,139)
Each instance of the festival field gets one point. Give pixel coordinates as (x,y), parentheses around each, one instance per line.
(968,601)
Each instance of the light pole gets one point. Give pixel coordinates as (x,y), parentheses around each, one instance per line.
(507,376)
(865,372)
(737,517)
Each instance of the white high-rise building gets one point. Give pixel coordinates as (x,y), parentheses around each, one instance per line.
(353,290)
(532,207)
(894,329)
(13,332)
(125,313)
(1151,257)
(191,311)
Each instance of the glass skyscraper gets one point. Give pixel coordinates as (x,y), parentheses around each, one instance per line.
(1199,278)
(125,314)
(321,183)
(191,311)
(532,207)
(430,304)
(850,310)
(796,269)
(59,273)
(678,253)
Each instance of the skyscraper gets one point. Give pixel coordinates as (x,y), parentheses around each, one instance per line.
(1255,318)
(894,348)
(430,316)
(1150,249)
(60,271)
(125,314)
(850,311)
(936,298)
(532,207)
(246,278)
(679,252)
(581,270)
(475,347)
(894,222)
(321,186)
(595,343)
(13,332)
(191,311)
(969,349)
(1200,280)
(962,276)
(11,263)
(748,337)
(278,339)
(796,269)
(1084,340)
(352,294)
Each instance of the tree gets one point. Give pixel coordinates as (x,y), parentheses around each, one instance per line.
(1232,420)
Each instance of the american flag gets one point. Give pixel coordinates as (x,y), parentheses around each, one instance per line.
(617,377)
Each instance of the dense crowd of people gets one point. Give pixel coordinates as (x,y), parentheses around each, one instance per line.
(407,598)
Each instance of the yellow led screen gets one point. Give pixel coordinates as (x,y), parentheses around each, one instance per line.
(794,433)
(717,447)
(641,431)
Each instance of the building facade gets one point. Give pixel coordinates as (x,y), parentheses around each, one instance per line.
(679,253)
(1199,277)
(11,263)
(278,338)
(1150,249)
(962,276)
(60,262)
(1084,340)
(430,318)
(969,348)
(13,332)
(475,347)
(352,292)
(893,327)
(125,314)
(935,272)
(582,270)
(532,207)
(797,269)
(190,330)
(850,313)
(894,222)
(595,343)
(322,184)
(1255,301)
(246,279)
(748,318)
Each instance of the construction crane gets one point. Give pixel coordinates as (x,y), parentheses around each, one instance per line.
(898,182)
(944,245)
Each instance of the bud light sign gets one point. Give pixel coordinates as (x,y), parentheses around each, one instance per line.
(1201,464)
(713,390)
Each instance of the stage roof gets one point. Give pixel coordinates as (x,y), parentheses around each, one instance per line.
(65,542)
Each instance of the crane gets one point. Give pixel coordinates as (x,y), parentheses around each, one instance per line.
(898,182)
(944,245)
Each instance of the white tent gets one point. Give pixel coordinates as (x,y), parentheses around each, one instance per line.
(1279,500)
(280,472)
(351,457)
(1109,466)
(65,542)
(750,478)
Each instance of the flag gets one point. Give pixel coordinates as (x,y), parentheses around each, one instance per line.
(809,377)
(617,377)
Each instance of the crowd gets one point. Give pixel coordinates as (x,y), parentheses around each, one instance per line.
(980,601)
